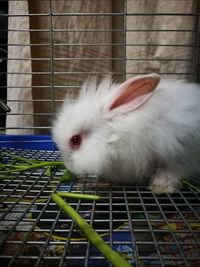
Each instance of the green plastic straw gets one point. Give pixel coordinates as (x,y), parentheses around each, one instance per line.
(19,168)
(80,196)
(91,234)
(191,185)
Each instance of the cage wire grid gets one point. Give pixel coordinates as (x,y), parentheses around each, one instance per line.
(148,230)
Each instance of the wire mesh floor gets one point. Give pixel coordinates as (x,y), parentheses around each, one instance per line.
(148,230)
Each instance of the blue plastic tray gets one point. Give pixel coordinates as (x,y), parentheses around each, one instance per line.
(35,142)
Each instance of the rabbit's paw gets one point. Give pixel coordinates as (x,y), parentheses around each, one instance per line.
(164,182)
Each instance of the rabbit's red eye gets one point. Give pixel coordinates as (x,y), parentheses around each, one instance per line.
(75,141)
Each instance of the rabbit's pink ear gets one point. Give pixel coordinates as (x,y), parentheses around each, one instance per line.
(135,92)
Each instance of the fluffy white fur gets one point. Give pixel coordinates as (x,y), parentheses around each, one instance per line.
(159,141)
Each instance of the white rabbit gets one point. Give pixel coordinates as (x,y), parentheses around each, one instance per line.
(145,129)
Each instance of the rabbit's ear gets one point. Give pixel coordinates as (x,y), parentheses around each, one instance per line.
(135,92)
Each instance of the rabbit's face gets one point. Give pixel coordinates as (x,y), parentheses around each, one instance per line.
(85,144)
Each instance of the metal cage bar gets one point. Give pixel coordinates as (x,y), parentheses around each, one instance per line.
(121,42)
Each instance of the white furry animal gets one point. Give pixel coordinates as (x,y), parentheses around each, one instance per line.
(145,128)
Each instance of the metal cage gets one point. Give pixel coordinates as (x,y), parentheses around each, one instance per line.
(48,48)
